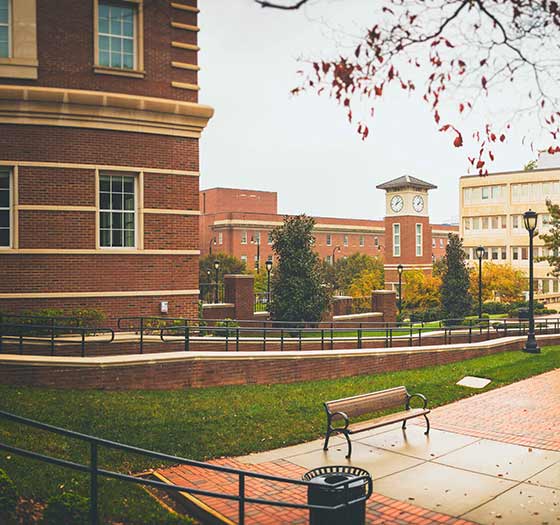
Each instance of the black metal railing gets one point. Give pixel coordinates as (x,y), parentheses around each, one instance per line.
(50,335)
(95,472)
(261,302)
(228,335)
(211,292)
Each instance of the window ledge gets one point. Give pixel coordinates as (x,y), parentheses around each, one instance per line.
(132,73)
(14,67)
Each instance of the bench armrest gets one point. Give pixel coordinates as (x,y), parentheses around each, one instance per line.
(344,416)
(420,396)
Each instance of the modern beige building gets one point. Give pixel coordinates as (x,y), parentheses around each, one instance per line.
(491,215)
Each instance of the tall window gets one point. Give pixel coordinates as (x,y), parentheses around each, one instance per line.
(5,36)
(244,237)
(220,238)
(396,240)
(269,237)
(5,205)
(345,240)
(117,211)
(117,35)
(418,240)
(362,241)
(329,239)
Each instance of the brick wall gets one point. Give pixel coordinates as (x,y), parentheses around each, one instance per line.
(66,55)
(180,370)
(170,232)
(175,192)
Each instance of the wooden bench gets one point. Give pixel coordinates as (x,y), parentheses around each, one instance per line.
(344,409)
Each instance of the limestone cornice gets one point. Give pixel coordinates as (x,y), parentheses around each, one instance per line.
(101,110)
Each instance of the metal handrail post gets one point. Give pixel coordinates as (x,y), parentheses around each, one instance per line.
(187,339)
(241,498)
(141,335)
(52,338)
(264,339)
(93,508)
(83,343)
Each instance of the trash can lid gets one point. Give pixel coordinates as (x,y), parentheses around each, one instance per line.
(333,474)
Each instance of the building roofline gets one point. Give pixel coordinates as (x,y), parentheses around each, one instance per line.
(511,172)
(238,189)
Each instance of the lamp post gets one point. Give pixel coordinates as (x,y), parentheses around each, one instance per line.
(216,269)
(208,292)
(530,220)
(335,249)
(257,241)
(268,265)
(400,270)
(212,241)
(480,251)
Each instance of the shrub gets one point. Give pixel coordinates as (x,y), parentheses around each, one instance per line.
(68,508)
(8,498)
(222,325)
(493,308)
(427,315)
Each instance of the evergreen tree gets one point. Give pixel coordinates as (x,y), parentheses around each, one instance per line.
(455,297)
(298,292)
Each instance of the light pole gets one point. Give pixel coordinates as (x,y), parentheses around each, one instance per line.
(268,265)
(216,268)
(335,249)
(257,241)
(400,270)
(208,293)
(530,220)
(212,241)
(480,251)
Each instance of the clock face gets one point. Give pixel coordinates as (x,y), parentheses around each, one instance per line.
(397,203)
(418,203)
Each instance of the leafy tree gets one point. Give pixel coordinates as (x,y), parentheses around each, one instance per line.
(348,269)
(498,280)
(261,281)
(438,267)
(298,292)
(420,291)
(228,264)
(456,56)
(455,297)
(367,281)
(552,239)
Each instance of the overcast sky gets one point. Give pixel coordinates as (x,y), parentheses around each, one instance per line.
(302,147)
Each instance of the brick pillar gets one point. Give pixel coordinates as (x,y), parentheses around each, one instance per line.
(238,289)
(385,301)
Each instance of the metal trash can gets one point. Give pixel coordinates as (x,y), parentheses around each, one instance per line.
(523,313)
(323,492)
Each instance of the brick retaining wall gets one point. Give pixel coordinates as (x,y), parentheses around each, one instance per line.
(178,370)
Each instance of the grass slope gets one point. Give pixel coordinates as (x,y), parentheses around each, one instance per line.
(207,423)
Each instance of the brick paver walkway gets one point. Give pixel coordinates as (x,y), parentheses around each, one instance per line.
(523,413)
(380,510)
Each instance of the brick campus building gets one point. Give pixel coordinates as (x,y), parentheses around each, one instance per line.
(99,162)
(238,222)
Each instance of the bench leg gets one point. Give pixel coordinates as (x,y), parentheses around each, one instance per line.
(427,425)
(349,446)
(327,437)
(404,425)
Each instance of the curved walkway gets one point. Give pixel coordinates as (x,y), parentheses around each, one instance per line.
(493,458)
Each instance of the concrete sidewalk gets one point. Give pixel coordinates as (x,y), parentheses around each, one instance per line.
(489,472)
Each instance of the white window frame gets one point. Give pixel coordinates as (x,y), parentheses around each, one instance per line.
(220,238)
(396,239)
(362,241)
(138,41)
(345,240)
(110,210)
(10,209)
(8,24)
(243,259)
(269,237)
(328,239)
(244,237)
(419,237)
(484,190)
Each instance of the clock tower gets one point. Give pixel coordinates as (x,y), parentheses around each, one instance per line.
(408,234)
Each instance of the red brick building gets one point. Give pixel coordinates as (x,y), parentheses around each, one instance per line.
(238,222)
(99,162)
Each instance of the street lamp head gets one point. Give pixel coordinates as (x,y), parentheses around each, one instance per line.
(400,269)
(216,264)
(530,220)
(480,251)
(268,265)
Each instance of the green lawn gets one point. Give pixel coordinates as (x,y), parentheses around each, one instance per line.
(207,423)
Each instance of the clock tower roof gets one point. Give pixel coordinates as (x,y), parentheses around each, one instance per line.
(406,181)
